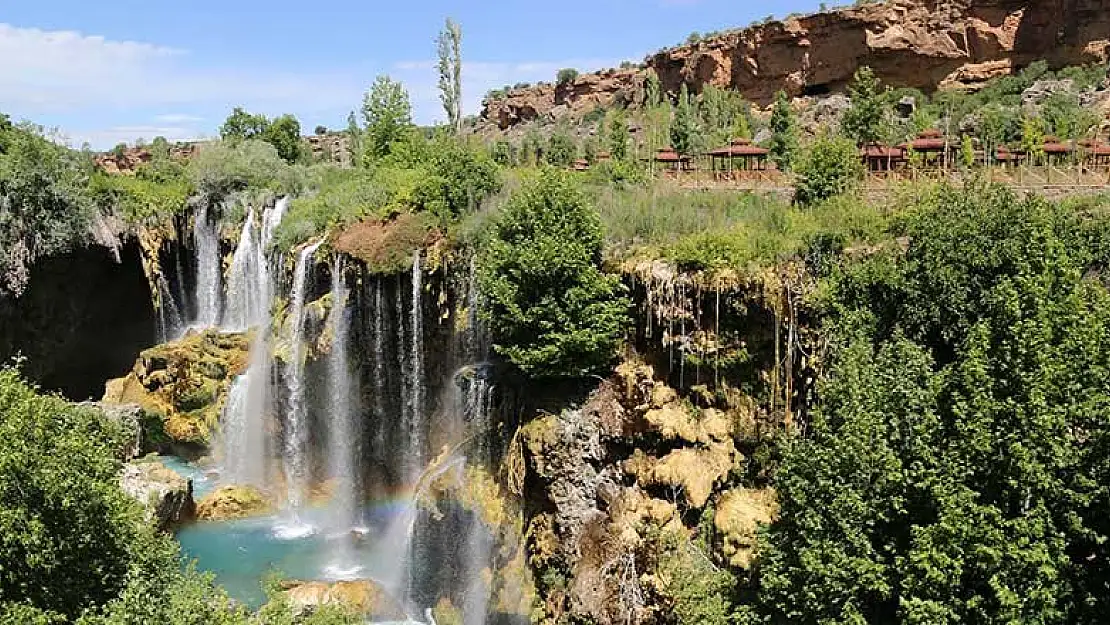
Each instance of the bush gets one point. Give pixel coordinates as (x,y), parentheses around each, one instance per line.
(67,533)
(830,167)
(222,168)
(551,309)
(565,76)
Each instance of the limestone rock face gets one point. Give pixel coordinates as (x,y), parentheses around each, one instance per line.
(166,496)
(739,515)
(233,502)
(364,596)
(927,44)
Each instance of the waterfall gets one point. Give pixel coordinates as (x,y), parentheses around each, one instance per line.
(296,431)
(342,431)
(170,319)
(244,290)
(250,290)
(207,241)
(379,371)
(416,385)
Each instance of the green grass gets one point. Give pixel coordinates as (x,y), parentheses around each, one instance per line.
(701,230)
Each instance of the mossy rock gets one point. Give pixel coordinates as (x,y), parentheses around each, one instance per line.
(233,502)
(185,383)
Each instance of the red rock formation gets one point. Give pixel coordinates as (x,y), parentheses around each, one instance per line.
(928,44)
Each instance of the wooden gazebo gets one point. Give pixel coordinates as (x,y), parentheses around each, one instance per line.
(931,144)
(1096,155)
(739,156)
(581,165)
(1056,150)
(880,158)
(671,160)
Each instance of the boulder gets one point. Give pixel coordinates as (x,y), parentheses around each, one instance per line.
(166,496)
(1042,90)
(186,383)
(233,502)
(364,596)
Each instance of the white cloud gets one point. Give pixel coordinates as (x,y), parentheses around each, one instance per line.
(177,118)
(104,91)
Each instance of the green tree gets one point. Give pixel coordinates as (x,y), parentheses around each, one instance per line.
(560,150)
(566,75)
(1032,139)
(354,138)
(830,167)
(653,89)
(387,114)
(284,133)
(458,180)
(618,136)
(67,532)
(685,133)
(449,47)
(863,121)
(955,463)
(784,133)
(241,125)
(553,312)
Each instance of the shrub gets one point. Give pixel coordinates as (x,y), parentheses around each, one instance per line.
(830,167)
(565,76)
(222,168)
(551,309)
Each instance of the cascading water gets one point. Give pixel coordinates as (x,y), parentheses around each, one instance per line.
(245,448)
(296,430)
(342,433)
(244,291)
(206,239)
(416,385)
(369,415)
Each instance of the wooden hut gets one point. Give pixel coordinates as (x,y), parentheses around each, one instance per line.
(931,145)
(581,165)
(671,161)
(739,156)
(882,158)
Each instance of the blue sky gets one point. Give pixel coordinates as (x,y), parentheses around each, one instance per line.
(106,72)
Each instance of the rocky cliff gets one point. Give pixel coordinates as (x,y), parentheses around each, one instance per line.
(927,44)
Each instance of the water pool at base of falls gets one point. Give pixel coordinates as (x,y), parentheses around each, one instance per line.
(243,552)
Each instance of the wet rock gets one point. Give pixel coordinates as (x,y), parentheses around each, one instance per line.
(184,382)
(364,596)
(233,502)
(166,496)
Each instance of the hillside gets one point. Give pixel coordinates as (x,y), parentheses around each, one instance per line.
(924,44)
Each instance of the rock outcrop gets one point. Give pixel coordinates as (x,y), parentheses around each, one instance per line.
(166,496)
(233,502)
(365,597)
(927,44)
(184,382)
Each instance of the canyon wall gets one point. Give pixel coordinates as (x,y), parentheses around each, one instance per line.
(927,44)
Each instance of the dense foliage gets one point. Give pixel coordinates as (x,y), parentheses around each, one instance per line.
(956,468)
(45,203)
(552,311)
(284,132)
(830,167)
